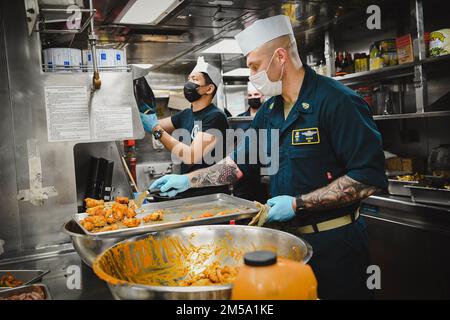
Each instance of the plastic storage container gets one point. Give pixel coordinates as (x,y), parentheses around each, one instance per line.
(62,59)
(106,58)
(268,277)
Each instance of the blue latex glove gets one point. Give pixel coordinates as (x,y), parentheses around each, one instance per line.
(149,121)
(280,209)
(171,181)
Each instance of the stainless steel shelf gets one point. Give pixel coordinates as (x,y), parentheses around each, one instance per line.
(434,60)
(417,115)
(399,202)
(398,71)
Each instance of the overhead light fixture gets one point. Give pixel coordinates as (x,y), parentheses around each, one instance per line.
(226,46)
(146,12)
(239,72)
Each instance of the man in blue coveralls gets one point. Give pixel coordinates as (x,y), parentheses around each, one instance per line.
(330,158)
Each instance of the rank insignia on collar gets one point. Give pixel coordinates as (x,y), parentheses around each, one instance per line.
(305,105)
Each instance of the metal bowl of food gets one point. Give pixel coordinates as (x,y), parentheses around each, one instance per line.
(87,247)
(197,262)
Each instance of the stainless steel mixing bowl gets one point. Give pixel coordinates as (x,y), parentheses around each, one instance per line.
(86,246)
(110,265)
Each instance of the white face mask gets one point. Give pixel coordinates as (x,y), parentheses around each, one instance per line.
(263,84)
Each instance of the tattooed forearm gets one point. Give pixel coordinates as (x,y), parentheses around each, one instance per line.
(339,193)
(223,173)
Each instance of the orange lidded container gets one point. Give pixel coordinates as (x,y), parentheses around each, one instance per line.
(268,277)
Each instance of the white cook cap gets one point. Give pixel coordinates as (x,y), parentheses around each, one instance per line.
(263,31)
(251,88)
(212,72)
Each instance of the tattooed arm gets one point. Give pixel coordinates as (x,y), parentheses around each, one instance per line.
(341,192)
(222,173)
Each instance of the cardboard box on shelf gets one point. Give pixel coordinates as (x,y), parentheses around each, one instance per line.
(405,51)
(405,164)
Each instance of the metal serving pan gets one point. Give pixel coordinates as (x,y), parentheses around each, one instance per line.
(26,276)
(175,210)
(397,187)
(25,289)
(440,197)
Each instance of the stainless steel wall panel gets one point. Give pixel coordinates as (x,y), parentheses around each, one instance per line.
(25,227)
(9,225)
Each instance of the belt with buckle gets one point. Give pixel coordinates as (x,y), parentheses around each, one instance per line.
(329,224)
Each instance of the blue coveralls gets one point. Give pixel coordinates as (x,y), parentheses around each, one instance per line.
(328,133)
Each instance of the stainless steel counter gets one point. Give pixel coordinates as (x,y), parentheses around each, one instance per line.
(409,242)
(64,267)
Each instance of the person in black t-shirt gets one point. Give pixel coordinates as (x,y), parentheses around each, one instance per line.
(203,115)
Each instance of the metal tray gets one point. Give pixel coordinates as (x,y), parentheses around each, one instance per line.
(27,276)
(397,187)
(175,210)
(24,289)
(440,197)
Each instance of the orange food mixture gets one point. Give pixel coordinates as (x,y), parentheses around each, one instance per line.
(167,262)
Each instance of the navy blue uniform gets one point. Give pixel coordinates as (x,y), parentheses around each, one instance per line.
(329,132)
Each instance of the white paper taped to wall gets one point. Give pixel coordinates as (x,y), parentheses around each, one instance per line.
(112,122)
(36,194)
(67,112)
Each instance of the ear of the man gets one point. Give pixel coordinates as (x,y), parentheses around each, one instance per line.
(211,88)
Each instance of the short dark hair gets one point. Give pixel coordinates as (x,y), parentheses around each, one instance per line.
(209,81)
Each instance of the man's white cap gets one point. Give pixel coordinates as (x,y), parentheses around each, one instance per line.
(262,31)
(251,88)
(212,72)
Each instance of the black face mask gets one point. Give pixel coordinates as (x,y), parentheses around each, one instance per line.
(190,91)
(254,103)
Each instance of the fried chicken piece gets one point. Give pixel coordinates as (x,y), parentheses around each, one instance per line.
(97,221)
(122,200)
(157,215)
(89,226)
(95,211)
(131,223)
(186,218)
(119,211)
(214,274)
(130,213)
(110,218)
(107,228)
(93,202)
(132,205)
(206,215)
